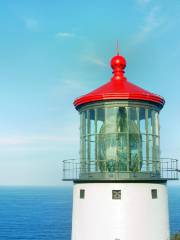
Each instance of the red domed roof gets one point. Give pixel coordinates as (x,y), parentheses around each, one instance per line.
(119,88)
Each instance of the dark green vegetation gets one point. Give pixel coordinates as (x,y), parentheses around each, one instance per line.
(176,236)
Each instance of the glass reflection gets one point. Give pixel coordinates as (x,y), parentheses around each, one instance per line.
(134,141)
(117,139)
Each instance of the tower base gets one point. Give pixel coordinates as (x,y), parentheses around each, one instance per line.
(120,211)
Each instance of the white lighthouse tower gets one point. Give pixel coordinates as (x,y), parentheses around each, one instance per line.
(120,188)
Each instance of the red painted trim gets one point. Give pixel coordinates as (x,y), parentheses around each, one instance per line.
(114,96)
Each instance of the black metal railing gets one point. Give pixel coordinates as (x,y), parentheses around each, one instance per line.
(165,169)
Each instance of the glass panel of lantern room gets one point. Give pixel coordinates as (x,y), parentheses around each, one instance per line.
(154,163)
(92,139)
(155,130)
(100,120)
(110,138)
(88,132)
(95,139)
(142,124)
(84,140)
(92,162)
(81,137)
(92,121)
(150,139)
(140,158)
(133,140)
(106,127)
(122,138)
(110,120)
(157,150)
(100,143)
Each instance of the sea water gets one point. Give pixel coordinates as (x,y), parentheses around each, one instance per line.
(38,213)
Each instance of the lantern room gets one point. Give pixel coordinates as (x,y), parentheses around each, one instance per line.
(119,133)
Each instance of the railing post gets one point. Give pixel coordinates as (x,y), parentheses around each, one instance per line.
(162,169)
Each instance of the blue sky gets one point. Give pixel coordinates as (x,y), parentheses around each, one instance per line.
(54,51)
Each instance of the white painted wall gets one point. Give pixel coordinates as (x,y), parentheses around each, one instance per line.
(135,217)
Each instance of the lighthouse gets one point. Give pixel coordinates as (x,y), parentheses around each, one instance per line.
(119,190)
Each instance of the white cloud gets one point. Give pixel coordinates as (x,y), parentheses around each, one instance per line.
(94,60)
(73,84)
(65,35)
(39,139)
(12,141)
(68,88)
(152,22)
(31,24)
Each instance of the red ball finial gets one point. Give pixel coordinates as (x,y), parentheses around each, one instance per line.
(118,64)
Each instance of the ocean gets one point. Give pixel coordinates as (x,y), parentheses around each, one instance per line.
(44,213)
